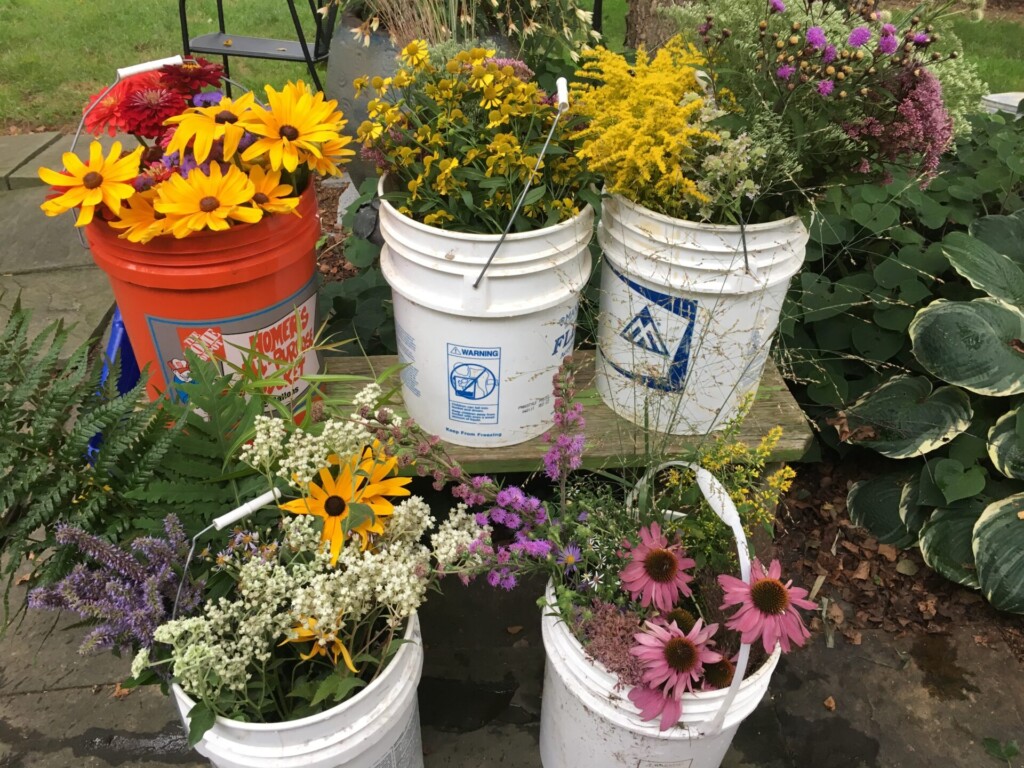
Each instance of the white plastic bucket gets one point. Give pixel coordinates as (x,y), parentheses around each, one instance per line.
(587,718)
(686,318)
(479,361)
(377,728)
(1008,102)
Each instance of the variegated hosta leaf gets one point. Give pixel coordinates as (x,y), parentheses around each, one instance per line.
(903,417)
(977,345)
(985,268)
(875,504)
(1005,444)
(946,543)
(1005,234)
(998,544)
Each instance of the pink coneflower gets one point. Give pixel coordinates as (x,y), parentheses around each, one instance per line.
(674,660)
(653,702)
(767,607)
(657,573)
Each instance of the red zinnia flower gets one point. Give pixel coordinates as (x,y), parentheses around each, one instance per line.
(190,78)
(657,573)
(145,111)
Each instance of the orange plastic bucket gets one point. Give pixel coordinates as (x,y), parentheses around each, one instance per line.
(218,294)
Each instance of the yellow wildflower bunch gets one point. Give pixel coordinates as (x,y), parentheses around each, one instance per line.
(460,138)
(645,125)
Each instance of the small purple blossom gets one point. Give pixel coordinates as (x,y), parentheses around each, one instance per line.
(703,28)
(922,38)
(888,44)
(570,556)
(776,6)
(829,54)
(207,99)
(825,87)
(816,38)
(889,29)
(785,72)
(859,37)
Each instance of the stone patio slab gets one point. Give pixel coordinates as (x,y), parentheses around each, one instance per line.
(26,175)
(18,151)
(31,241)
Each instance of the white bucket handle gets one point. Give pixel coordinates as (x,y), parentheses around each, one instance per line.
(722,505)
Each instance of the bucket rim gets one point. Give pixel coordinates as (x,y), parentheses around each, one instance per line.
(762,226)
(585,211)
(408,647)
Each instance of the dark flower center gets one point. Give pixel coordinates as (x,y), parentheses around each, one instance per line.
(91,180)
(288,132)
(226,116)
(335,506)
(682,617)
(661,565)
(260,198)
(720,673)
(769,596)
(681,654)
(209,204)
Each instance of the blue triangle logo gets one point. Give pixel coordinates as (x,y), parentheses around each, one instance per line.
(643,332)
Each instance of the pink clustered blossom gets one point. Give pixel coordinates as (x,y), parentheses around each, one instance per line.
(608,631)
(567,436)
(920,127)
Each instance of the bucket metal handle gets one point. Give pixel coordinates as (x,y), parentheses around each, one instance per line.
(562,88)
(219,524)
(722,505)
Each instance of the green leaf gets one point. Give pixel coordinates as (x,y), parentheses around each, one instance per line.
(1004,234)
(876,343)
(945,542)
(358,514)
(905,418)
(998,544)
(1001,751)
(976,345)
(957,481)
(535,195)
(1005,445)
(200,719)
(336,688)
(361,253)
(984,268)
(875,504)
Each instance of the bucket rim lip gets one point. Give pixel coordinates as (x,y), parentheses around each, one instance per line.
(404,650)
(558,624)
(704,226)
(586,210)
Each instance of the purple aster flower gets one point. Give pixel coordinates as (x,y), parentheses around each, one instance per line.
(858,37)
(816,38)
(888,44)
(207,99)
(777,6)
(569,556)
(825,87)
(829,54)
(785,72)
(582,517)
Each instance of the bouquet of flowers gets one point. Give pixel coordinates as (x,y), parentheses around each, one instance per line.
(205,161)
(461,138)
(769,103)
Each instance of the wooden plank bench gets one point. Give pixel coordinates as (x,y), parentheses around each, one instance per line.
(611,440)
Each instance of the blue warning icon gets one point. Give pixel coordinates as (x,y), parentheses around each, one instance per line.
(643,332)
(472,381)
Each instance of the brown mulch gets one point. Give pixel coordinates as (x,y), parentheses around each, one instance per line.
(331,252)
(872,585)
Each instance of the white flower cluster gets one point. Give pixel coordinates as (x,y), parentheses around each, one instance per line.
(452,540)
(368,397)
(408,522)
(263,451)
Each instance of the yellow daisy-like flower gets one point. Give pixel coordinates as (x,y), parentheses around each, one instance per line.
(363,480)
(491,96)
(208,124)
(335,154)
(360,84)
(415,54)
(293,129)
(102,180)
(139,219)
(368,132)
(324,643)
(207,202)
(271,196)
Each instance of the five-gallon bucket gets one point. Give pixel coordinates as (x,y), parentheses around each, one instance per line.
(379,727)
(480,361)
(688,311)
(219,294)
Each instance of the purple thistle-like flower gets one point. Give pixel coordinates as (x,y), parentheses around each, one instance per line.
(825,87)
(776,6)
(538,548)
(570,555)
(785,72)
(816,38)
(859,37)
(888,29)
(888,44)
(922,38)
(703,28)
(829,54)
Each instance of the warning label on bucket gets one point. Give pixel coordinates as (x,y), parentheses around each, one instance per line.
(474,374)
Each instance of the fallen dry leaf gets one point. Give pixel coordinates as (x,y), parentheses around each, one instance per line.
(853,636)
(23,579)
(888,551)
(863,571)
(835,614)
(829,704)
(121,693)
(515,629)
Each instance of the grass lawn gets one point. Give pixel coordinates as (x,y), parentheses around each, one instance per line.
(53,56)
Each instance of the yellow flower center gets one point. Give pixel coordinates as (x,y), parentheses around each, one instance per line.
(209,204)
(335,506)
(680,654)
(226,116)
(769,596)
(289,132)
(661,565)
(91,180)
